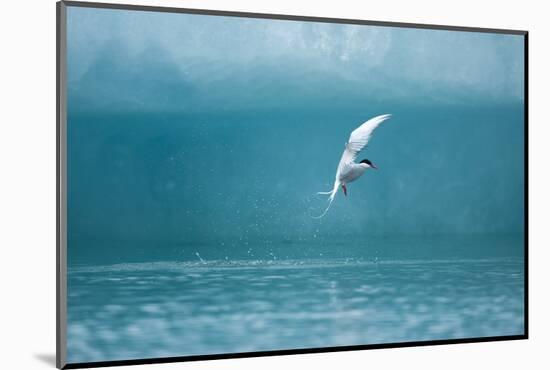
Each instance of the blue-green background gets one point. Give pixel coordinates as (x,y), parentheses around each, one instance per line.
(200,139)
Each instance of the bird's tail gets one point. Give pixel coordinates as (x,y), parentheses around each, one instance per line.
(331,195)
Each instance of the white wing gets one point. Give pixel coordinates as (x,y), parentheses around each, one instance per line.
(358,140)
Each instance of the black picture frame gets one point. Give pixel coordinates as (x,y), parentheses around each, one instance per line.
(61,200)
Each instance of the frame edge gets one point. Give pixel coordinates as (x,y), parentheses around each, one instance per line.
(288,17)
(526,184)
(61,186)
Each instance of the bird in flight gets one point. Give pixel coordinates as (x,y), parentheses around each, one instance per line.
(348,170)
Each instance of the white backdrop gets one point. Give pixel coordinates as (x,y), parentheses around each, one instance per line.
(27,196)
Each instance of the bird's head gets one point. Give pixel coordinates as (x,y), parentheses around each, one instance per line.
(368,164)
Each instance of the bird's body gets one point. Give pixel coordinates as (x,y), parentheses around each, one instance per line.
(349,171)
(352,173)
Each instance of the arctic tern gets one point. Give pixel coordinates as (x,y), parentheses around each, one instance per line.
(349,171)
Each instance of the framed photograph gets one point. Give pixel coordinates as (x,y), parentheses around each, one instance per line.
(235,184)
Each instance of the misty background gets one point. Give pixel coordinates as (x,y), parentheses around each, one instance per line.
(209,136)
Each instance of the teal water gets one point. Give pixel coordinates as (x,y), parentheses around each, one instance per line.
(196,146)
(167,309)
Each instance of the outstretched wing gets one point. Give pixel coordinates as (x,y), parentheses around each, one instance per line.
(358,140)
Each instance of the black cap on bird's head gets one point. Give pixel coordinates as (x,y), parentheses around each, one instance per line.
(369,163)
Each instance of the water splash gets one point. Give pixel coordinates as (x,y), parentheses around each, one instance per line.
(199,257)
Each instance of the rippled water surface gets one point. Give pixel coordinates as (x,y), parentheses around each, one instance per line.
(176,309)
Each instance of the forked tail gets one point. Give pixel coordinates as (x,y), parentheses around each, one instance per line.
(331,195)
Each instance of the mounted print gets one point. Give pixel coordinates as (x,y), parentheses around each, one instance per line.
(235,184)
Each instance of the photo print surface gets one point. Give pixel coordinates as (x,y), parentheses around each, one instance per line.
(243,184)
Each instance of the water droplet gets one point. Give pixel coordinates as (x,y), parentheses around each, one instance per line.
(199,256)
